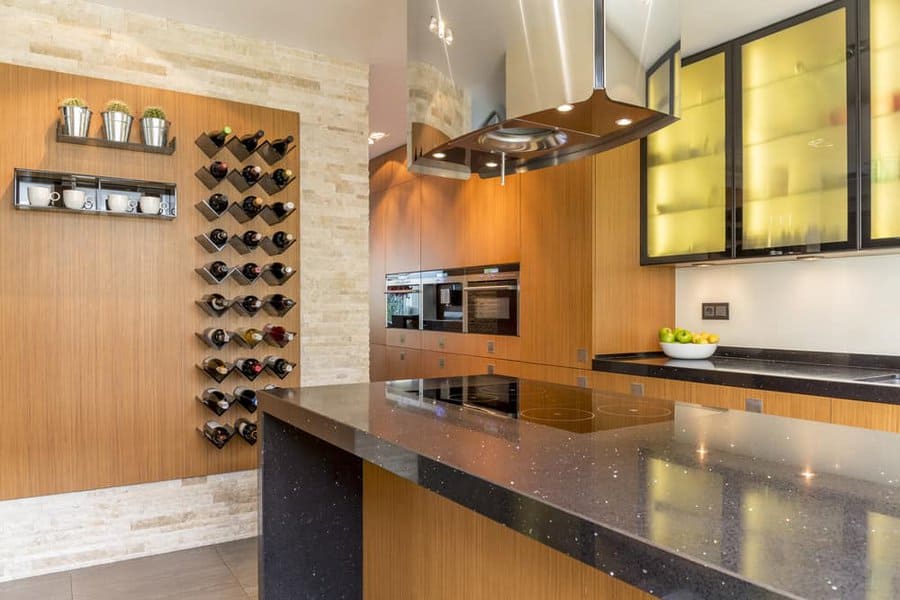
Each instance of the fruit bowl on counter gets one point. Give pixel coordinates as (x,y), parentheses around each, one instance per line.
(688,351)
(683,344)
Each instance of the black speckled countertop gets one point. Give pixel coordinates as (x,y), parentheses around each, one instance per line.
(701,503)
(815,373)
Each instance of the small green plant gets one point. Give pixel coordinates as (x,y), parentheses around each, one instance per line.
(154,112)
(73,101)
(118,106)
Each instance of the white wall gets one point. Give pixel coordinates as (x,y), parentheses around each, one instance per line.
(833,304)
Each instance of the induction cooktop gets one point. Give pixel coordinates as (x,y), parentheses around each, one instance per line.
(570,408)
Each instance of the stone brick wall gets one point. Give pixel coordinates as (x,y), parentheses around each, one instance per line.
(435,100)
(41,535)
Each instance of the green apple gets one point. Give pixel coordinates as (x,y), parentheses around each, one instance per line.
(665,332)
(667,338)
(684,337)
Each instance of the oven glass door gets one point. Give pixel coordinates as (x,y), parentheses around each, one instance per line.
(403,307)
(493,307)
(443,306)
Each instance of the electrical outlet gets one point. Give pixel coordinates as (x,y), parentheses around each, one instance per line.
(715,311)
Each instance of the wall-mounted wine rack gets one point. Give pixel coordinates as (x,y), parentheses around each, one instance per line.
(96,191)
(246,273)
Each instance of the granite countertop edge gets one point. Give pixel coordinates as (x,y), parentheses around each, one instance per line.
(626,364)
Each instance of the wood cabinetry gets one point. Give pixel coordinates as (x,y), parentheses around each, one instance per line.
(377,307)
(555,298)
(440,341)
(403,363)
(404,338)
(442,364)
(650,387)
(402,227)
(492,218)
(798,406)
(871,415)
(378,367)
(443,223)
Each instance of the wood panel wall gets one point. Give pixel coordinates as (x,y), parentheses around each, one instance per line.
(97,313)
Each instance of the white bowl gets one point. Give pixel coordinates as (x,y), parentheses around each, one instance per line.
(689,351)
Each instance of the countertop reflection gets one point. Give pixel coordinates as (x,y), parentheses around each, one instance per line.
(717,503)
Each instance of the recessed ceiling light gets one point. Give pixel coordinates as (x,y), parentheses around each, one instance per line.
(490,164)
(624,122)
(376,136)
(439,155)
(565,108)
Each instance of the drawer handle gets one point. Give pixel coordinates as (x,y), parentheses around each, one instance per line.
(403,356)
(637,389)
(441,363)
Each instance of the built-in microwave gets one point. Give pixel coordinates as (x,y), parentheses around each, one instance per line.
(491,296)
(403,300)
(442,300)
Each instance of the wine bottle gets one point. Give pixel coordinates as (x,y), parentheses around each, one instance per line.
(214,366)
(218,137)
(218,269)
(218,202)
(279,334)
(217,433)
(252,336)
(281,145)
(216,335)
(279,270)
(280,302)
(218,236)
(252,205)
(249,367)
(251,173)
(251,238)
(282,209)
(218,169)
(279,366)
(251,141)
(216,302)
(282,239)
(246,398)
(282,176)
(251,270)
(250,303)
(246,429)
(215,400)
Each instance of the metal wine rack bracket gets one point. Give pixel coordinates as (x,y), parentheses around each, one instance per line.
(270,155)
(275,281)
(237,180)
(271,249)
(209,147)
(243,342)
(236,148)
(212,344)
(271,218)
(212,311)
(267,182)
(242,279)
(215,408)
(207,211)
(239,214)
(217,377)
(273,342)
(210,278)
(238,244)
(209,245)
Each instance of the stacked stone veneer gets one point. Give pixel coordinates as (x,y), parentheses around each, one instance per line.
(435,100)
(47,534)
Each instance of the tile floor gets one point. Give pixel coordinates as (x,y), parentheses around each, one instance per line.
(222,572)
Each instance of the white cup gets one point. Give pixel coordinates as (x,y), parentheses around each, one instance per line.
(150,205)
(41,196)
(75,199)
(117,202)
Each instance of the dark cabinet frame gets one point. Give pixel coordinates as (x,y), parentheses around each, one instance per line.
(858,143)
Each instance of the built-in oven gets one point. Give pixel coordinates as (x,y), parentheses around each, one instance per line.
(403,299)
(442,300)
(491,296)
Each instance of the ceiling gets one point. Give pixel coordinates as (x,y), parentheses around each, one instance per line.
(374,32)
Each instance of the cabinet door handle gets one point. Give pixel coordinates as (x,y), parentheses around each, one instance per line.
(402,338)
(403,356)
(441,363)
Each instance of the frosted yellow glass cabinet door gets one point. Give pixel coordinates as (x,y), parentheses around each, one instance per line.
(685,204)
(881,225)
(794,194)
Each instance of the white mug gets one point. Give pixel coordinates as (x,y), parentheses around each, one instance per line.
(41,196)
(117,202)
(150,205)
(76,199)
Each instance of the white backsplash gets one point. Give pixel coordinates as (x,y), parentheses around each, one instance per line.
(832,305)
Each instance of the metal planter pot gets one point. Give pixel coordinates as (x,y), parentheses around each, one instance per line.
(117,126)
(76,120)
(155,131)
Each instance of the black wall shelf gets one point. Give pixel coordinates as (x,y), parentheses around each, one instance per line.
(96,192)
(168,149)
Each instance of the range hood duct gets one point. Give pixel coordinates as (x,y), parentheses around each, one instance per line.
(548,81)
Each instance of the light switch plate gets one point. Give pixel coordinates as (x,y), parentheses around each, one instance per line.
(715,311)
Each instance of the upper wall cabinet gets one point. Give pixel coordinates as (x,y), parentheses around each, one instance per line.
(796,192)
(881,193)
(402,227)
(685,167)
(764,161)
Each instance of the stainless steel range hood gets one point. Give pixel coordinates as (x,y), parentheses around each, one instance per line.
(526,84)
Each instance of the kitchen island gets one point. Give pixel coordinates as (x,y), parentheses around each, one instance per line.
(673,499)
